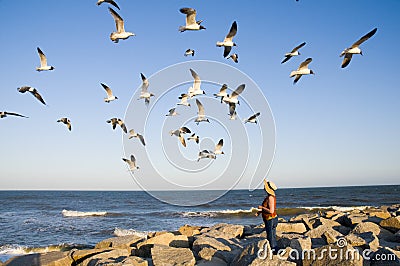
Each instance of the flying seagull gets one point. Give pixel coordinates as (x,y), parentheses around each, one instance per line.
(206,154)
(252,119)
(119,23)
(354,49)
(99,2)
(4,114)
(110,96)
(172,112)
(131,163)
(228,41)
(66,121)
(302,70)
(201,117)
(133,134)
(189,52)
(191,23)
(180,132)
(294,52)
(218,147)
(43,62)
(144,94)
(195,89)
(222,92)
(33,91)
(116,121)
(233,98)
(183,98)
(194,137)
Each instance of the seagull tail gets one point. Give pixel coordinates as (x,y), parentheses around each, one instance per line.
(181,28)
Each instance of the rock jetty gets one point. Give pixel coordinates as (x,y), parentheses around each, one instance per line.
(358,237)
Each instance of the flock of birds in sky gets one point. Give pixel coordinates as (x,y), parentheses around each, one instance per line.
(232,100)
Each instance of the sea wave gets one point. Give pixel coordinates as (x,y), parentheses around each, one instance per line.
(69,213)
(219,213)
(128,232)
(20,250)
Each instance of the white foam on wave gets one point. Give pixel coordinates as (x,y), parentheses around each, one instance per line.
(68,213)
(337,208)
(218,213)
(129,232)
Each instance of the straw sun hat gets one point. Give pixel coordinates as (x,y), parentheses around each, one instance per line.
(270,187)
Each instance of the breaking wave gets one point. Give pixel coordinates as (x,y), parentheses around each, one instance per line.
(69,213)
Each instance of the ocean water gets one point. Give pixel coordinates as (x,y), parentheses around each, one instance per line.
(35,221)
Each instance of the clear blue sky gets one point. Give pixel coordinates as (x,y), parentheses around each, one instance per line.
(339,127)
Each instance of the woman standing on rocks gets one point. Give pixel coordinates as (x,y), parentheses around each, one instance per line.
(268,213)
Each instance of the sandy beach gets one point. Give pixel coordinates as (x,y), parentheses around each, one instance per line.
(354,237)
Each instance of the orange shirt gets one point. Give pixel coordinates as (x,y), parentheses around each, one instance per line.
(265,215)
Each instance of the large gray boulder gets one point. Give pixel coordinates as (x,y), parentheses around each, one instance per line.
(167,239)
(298,228)
(163,256)
(120,242)
(108,257)
(53,258)
(366,240)
(392,224)
(223,230)
(319,235)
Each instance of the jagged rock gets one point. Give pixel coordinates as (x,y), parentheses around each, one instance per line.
(163,255)
(331,236)
(207,253)
(392,257)
(213,262)
(167,239)
(320,256)
(119,242)
(253,230)
(363,240)
(380,214)
(189,230)
(327,222)
(392,224)
(225,231)
(356,219)
(80,255)
(291,228)
(330,214)
(258,253)
(299,243)
(366,227)
(53,258)
(317,233)
(108,257)
(134,261)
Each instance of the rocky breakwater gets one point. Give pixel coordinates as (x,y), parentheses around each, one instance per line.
(358,237)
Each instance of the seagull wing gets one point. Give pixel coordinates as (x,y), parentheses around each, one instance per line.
(298,47)
(197,81)
(190,15)
(346,60)
(223,89)
(108,90)
(24,89)
(69,126)
(112,3)
(218,147)
(141,139)
(296,79)
(201,108)
(38,96)
(304,65)
(232,32)
(133,160)
(182,140)
(227,50)
(122,125)
(287,57)
(364,38)
(185,130)
(119,22)
(238,91)
(254,116)
(145,83)
(43,60)
(15,114)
